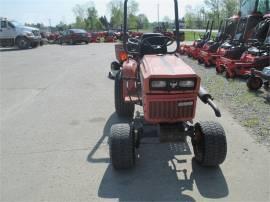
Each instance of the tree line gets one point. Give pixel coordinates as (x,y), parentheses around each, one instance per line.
(196,17)
(87,16)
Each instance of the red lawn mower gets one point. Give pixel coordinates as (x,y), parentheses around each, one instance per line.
(186,49)
(259,78)
(155,78)
(195,49)
(239,65)
(233,50)
(208,54)
(257,56)
(248,33)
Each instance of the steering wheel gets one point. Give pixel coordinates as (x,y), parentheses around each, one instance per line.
(133,41)
(167,42)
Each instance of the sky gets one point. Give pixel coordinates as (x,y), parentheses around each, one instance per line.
(43,11)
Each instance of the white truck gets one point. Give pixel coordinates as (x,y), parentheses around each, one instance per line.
(13,34)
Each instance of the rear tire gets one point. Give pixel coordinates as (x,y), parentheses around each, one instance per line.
(121,107)
(254,83)
(209,144)
(122,150)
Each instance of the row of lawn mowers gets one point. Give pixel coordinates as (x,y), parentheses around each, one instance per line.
(240,49)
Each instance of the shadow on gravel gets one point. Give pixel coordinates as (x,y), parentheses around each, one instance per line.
(159,174)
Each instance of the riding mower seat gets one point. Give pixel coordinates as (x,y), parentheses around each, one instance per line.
(146,50)
(258,51)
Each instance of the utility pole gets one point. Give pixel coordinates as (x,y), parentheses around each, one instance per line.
(50,24)
(158,13)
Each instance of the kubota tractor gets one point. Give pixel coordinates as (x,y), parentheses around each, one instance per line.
(155,78)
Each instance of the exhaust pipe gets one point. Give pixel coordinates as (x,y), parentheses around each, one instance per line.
(206,98)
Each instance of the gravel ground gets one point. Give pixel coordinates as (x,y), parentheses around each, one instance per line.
(251,109)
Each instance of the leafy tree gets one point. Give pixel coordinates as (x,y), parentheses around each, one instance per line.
(230,7)
(62,26)
(115,8)
(79,11)
(103,20)
(215,8)
(92,18)
(116,11)
(142,21)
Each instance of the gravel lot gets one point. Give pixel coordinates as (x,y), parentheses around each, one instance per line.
(251,109)
(57,108)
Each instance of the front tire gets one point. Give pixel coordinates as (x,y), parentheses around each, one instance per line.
(254,83)
(23,43)
(209,144)
(121,107)
(122,149)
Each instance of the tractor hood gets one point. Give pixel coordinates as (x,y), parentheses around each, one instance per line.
(165,66)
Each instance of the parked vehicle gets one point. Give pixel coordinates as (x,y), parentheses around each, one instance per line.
(96,37)
(13,34)
(74,36)
(109,37)
(156,78)
(258,78)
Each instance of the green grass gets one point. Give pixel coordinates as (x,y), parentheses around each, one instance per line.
(251,122)
(190,36)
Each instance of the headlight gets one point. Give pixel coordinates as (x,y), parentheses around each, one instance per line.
(158,84)
(177,84)
(29,34)
(186,84)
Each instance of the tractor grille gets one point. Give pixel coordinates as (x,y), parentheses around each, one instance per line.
(170,109)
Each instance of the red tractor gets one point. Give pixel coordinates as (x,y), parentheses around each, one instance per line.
(154,77)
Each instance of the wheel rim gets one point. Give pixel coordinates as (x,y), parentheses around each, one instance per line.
(22,42)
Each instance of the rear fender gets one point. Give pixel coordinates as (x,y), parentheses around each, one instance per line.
(129,72)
